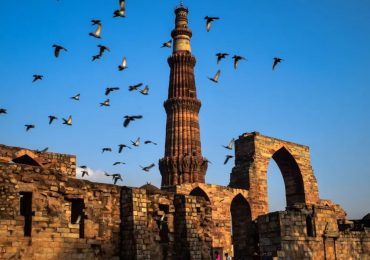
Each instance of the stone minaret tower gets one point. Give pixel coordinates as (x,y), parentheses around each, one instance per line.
(183,161)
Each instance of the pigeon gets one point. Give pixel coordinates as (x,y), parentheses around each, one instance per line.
(135,87)
(215,77)
(28,127)
(106,149)
(167,44)
(145,91)
(43,150)
(123,65)
(109,90)
(161,222)
(237,58)
(95,22)
(57,49)
(136,142)
(37,77)
(51,119)
(96,57)
(67,121)
(102,49)
(128,119)
(115,177)
(105,103)
(209,20)
(121,146)
(230,145)
(116,163)
(276,62)
(147,168)
(205,160)
(227,158)
(121,11)
(149,142)
(97,32)
(221,56)
(3,111)
(83,173)
(83,167)
(76,97)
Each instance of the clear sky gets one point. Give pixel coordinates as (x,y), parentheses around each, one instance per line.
(319,96)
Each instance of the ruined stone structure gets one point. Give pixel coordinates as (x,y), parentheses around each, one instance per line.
(46,213)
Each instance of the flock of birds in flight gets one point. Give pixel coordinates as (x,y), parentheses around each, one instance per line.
(137,87)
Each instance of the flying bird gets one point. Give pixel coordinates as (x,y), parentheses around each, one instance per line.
(221,56)
(37,77)
(109,90)
(161,222)
(276,62)
(149,142)
(237,58)
(147,168)
(209,20)
(106,103)
(97,32)
(96,57)
(116,163)
(28,127)
(230,145)
(106,149)
(215,77)
(128,119)
(95,22)
(115,176)
(3,111)
(43,150)
(167,44)
(102,49)
(121,146)
(121,11)
(67,121)
(145,91)
(83,173)
(57,49)
(136,142)
(76,97)
(123,65)
(228,157)
(83,167)
(135,87)
(51,119)
(205,160)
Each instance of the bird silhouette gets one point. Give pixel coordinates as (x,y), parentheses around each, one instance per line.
(134,87)
(51,119)
(237,58)
(115,177)
(149,142)
(209,20)
(215,77)
(276,62)
(98,29)
(83,167)
(221,56)
(57,49)
(109,90)
(228,157)
(128,119)
(205,160)
(167,44)
(106,103)
(29,126)
(121,146)
(123,65)
(161,221)
(43,150)
(83,173)
(102,49)
(136,142)
(95,22)
(67,121)
(116,163)
(106,149)
(121,11)
(147,168)
(96,57)
(3,111)
(230,145)
(76,97)
(145,91)
(37,77)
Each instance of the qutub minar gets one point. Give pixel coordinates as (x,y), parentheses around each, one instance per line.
(46,213)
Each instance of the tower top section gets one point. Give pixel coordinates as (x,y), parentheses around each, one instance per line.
(181,34)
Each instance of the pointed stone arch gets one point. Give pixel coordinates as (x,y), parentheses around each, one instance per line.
(197,191)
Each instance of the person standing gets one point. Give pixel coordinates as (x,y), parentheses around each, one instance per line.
(217,256)
(227,257)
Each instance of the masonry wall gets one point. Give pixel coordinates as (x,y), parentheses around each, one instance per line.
(53,235)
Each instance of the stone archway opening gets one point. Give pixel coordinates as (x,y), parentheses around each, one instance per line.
(199,193)
(292,177)
(241,228)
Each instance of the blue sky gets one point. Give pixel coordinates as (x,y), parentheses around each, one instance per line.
(319,96)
